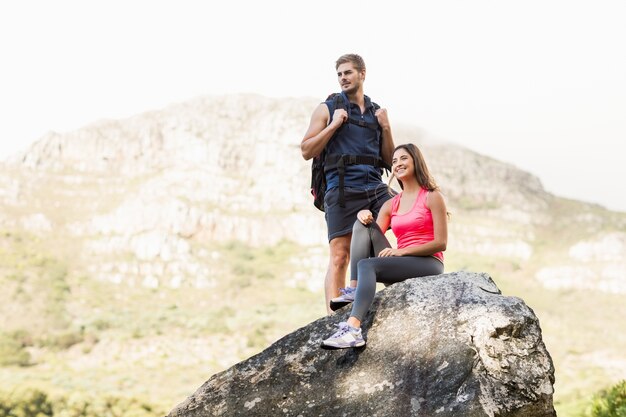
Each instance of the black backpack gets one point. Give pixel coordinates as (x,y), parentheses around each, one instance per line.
(324,162)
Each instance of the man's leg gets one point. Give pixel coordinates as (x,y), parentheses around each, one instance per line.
(337,266)
(340,221)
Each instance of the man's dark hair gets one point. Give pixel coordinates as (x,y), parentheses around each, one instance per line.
(355,59)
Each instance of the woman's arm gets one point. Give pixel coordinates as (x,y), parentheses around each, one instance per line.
(384,216)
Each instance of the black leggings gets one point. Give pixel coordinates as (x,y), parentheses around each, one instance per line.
(367,269)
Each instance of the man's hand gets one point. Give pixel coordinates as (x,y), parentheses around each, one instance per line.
(383,119)
(340,116)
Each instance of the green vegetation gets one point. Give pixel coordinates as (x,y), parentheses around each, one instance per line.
(37,403)
(72,344)
(12,350)
(64,332)
(609,403)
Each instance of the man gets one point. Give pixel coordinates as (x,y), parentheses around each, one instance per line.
(357,143)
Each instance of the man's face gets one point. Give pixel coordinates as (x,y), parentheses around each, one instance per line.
(349,78)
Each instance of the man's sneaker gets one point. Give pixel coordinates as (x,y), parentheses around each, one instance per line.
(346,297)
(346,337)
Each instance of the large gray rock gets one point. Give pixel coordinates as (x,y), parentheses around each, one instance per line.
(447,345)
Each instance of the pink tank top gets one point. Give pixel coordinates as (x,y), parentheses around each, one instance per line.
(414,227)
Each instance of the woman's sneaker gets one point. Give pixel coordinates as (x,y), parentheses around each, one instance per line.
(346,297)
(346,337)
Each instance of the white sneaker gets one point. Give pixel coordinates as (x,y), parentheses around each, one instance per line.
(346,297)
(346,337)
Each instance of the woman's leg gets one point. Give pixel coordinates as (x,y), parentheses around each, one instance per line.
(388,270)
(367,241)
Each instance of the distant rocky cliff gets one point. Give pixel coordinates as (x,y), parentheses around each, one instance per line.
(448,345)
(124,244)
(138,194)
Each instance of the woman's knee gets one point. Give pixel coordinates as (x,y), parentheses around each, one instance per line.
(359,228)
(366,265)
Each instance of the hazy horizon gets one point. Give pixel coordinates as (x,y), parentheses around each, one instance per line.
(540,85)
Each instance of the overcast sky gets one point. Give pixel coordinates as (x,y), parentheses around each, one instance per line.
(540,84)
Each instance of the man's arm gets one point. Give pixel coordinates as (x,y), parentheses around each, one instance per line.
(386,150)
(319,132)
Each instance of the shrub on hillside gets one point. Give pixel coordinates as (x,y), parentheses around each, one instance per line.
(13,350)
(611,402)
(36,403)
(29,403)
(62,340)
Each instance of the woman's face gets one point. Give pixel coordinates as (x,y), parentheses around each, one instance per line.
(402,164)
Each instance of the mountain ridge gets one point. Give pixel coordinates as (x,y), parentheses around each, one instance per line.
(191,159)
(149,226)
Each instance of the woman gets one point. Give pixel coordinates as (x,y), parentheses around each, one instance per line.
(418,219)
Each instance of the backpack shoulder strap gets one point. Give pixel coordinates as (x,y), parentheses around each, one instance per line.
(338,102)
(375,107)
(380,132)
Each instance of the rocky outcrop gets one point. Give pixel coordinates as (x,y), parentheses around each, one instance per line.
(447,345)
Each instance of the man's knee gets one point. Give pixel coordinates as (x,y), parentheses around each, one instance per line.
(339,260)
(340,252)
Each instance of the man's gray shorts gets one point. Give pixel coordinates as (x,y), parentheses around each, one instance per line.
(341,219)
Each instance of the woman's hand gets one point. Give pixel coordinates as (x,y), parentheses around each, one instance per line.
(365,217)
(390,252)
